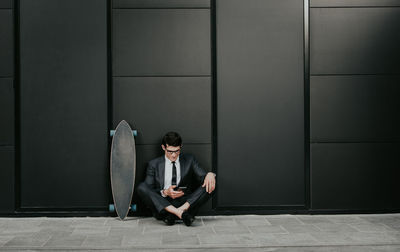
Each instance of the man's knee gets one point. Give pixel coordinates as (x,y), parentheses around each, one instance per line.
(205,193)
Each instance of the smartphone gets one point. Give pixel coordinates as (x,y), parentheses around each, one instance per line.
(180,188)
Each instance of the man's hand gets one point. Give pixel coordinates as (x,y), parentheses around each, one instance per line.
(209,182)
(172,193)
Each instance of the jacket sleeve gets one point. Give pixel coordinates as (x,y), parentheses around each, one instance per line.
(150,176)
(199,172)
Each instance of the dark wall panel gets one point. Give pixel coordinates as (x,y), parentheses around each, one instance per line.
(355,40)
(161,42)
(155,105)
(355,176)
(161,3)
(64,127)
(260,102)
(6,43)
(6,4)
(355,108)
(7,175)
(6,111)
(353,3)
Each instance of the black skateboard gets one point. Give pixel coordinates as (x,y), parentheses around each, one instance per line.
(122,169)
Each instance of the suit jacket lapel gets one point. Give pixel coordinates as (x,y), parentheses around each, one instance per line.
(161,172)
(182,167)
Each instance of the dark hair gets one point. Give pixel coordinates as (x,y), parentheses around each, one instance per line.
(172,139)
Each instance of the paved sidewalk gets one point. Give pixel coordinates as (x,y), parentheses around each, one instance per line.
(208,233)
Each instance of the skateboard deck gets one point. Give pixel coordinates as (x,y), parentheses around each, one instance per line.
(122,169)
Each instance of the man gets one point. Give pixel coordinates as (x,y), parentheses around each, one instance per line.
(175,185)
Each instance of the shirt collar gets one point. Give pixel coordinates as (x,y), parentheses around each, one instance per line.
(169,161)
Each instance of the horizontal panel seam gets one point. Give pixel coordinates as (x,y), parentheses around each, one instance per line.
(75,208)
(163,8)
(184,144)
(352,7)
(9,147)
(257,206)
(142,76)
(383,74)
(352,142)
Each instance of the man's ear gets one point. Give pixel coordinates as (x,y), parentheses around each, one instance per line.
(162,146)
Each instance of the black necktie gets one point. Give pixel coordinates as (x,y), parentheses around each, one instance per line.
(173,174)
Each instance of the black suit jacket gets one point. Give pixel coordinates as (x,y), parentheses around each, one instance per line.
(192,174)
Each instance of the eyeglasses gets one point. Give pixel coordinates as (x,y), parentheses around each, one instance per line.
(172,152)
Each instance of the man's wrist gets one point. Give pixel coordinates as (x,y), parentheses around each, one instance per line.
(163,193)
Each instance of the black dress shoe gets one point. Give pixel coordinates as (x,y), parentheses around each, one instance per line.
(169,219)
(187,218)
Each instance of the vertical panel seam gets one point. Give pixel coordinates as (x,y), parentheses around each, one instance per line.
(307,119)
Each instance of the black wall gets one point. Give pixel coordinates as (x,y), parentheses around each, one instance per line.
(7,99)
(354,91)
(63,92)
(302,119)
(260,103)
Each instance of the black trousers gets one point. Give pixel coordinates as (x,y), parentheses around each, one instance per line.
(157,203)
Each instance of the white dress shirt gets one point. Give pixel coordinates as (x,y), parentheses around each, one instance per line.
(168,173)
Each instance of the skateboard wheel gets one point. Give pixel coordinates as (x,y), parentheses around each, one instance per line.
(112,132)
(111,208)
(133,208)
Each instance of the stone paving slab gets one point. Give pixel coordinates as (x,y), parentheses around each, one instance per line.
(149,240)
(280,220)
(231,230)
(372,227)
(384,248)
(124,230)
(5,238)
(35,240)
(335,227)
(252,220)
(220,240)
(70,241)
(304,228)
(208,233)
(101,242)
(353,248)
(346,219)
(186,239)
(196,230)
(314,219)
(95,230)
(272,229)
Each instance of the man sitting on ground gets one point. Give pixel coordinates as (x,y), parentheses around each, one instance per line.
(169,189)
